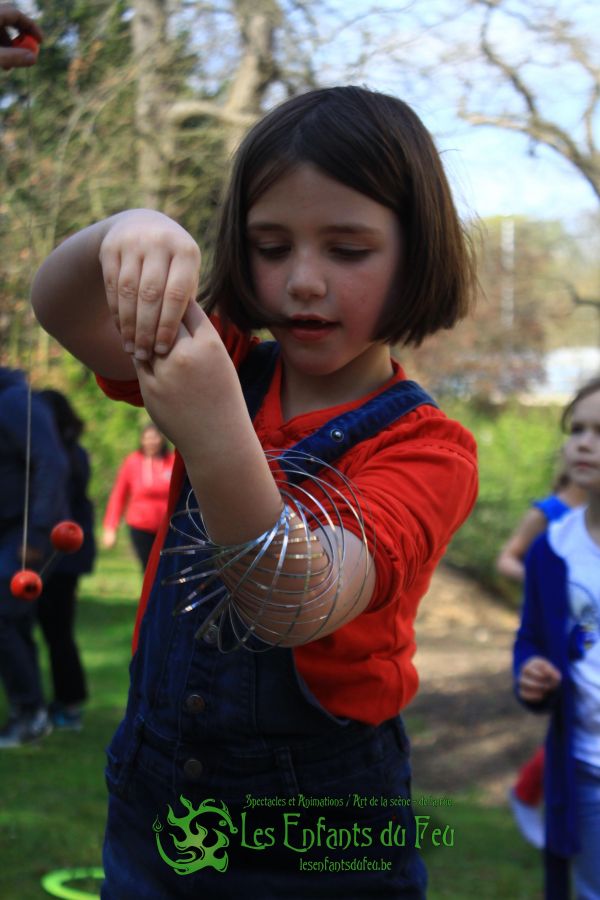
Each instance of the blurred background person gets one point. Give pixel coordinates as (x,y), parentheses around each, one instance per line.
(28,718)
(57,603)
(140,493)
(526,795)
(565,496)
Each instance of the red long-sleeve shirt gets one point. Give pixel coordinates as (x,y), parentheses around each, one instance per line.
(141,491)
(418,480)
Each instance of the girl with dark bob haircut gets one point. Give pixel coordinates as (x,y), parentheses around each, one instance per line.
(378,146)
(314,491)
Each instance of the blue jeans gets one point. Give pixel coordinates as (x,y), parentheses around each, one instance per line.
(586,865)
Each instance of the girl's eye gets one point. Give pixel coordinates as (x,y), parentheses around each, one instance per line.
(576,428)
(351,253)
(271,251)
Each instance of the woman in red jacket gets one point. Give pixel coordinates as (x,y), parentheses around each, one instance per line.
(141,491)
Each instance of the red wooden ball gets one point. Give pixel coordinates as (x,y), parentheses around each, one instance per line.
(26,42)
(26,585)
(67,536)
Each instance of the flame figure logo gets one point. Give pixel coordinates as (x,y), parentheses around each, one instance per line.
(193,853)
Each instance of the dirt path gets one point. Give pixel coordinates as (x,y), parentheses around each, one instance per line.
(467,729)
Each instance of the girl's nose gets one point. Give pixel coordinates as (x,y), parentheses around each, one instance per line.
(584,439)
(306,280)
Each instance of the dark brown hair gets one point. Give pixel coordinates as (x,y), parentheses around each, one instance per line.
(374,144)
(586,390)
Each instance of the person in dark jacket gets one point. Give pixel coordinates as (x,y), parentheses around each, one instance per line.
(57,604)
(24,540)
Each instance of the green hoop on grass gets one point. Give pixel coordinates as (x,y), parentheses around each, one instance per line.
(55,883)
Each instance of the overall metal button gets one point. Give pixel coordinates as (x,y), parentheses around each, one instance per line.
(337,435)
(192,769)
(211,634)
(194,703)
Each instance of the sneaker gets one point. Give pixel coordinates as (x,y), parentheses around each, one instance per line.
(66,719)
(25,729)
(529,819)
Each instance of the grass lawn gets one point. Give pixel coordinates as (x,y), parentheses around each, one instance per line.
(53,799)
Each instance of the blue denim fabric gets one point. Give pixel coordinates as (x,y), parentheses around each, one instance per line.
(586,864)
(373,762)
(202,724)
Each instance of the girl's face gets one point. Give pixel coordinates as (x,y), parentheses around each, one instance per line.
(582,449)
(325,257)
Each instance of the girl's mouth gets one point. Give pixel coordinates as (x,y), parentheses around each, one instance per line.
(310,328)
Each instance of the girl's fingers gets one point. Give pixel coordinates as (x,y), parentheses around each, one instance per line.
(110,262)
(150,267)
(127,298)
(151,298)
(179,293)
(538,677)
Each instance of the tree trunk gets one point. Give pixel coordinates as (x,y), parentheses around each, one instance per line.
(257,23)
(153,134)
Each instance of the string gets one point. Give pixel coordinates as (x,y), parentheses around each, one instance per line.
(28,367)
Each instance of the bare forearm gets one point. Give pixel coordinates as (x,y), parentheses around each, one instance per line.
(511,567)
(69,300)
(231,479)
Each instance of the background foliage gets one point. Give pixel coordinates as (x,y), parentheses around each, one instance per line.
(519,458)
(141,102)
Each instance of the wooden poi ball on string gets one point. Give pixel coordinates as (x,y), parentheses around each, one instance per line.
(65,537)
(26,585)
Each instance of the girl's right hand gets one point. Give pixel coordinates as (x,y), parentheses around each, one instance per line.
(151,267)
(537,678)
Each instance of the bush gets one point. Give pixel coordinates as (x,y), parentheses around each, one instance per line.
(518,461)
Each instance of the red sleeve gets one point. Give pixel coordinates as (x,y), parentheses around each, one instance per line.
(417,483)
(237,342)
(119,495)
(416,493)
(177,479)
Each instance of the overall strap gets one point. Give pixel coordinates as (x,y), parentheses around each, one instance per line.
(256,372)
(341,433)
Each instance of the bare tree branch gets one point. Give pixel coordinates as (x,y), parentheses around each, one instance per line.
(542,127)
(183,110)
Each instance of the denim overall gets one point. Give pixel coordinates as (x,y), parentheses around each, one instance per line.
(241,729)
